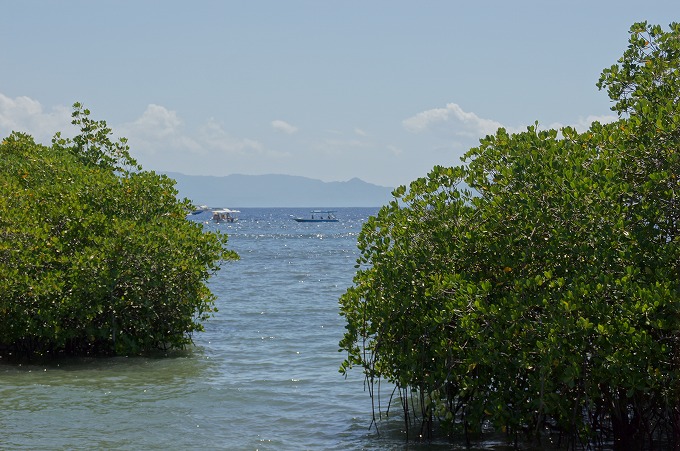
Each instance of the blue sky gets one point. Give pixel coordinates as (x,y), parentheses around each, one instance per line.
(380,90)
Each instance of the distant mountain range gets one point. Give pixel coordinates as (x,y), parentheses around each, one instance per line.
(274,190)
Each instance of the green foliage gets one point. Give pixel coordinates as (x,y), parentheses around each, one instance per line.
(93,145)
(97,256)
(549,293)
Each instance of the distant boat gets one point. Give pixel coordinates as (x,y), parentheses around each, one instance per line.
(319,216)
(224,215)
(200,210)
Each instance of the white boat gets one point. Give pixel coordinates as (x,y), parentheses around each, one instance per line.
(319,216)
(224,215)
(200,210)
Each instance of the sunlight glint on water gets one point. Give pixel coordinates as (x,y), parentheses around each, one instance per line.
(263,376)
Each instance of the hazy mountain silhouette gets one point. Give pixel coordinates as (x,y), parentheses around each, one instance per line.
(276,190)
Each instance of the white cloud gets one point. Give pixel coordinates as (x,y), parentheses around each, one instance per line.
(395,150)
(584,124)
(454,121)
(214,137)
(23,114)
(284,127)
(158,121)
(161,140)
(459,121)
(161,131)
(158,131)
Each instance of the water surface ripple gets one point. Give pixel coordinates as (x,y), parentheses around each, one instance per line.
(263,375)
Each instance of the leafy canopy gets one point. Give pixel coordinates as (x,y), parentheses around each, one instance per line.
(548,293)
(96,255)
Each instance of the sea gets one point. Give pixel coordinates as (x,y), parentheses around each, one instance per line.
(263,376)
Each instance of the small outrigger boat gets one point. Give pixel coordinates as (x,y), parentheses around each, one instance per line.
(319,216)
(224,215)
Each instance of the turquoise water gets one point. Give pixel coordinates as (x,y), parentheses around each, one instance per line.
(263,376)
